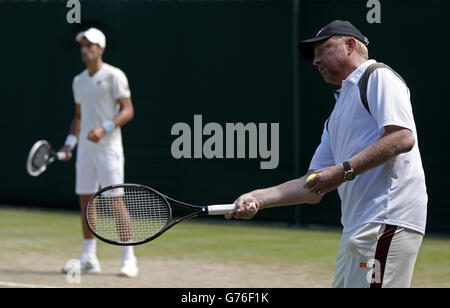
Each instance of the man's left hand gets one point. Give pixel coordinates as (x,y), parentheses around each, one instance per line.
(96,134)
(326,180)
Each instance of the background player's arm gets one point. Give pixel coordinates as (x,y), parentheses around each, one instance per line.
(125,114)
(76,122)
(74,130)
(288,193)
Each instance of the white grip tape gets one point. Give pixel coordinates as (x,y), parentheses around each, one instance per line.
(61,155)
(220,209)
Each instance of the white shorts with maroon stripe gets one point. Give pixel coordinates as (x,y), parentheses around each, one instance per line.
(375,256)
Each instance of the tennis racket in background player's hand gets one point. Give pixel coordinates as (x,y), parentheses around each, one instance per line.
(41,156)
(133,214)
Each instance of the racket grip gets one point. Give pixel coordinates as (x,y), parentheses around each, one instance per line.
(220,209)
(61,155)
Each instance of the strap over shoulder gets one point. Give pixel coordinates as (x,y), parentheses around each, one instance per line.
(362,84)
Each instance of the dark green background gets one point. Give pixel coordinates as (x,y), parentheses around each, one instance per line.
(230,61)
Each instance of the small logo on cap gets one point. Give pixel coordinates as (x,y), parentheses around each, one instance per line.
(319,31)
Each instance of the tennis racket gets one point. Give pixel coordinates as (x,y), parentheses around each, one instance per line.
(133,214)
(41,156)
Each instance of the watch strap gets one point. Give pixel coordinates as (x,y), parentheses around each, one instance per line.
(346,166)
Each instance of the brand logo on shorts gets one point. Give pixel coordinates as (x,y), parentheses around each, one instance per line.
(374,270)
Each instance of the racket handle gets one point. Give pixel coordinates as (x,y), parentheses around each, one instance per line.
(61,155)
(220,209)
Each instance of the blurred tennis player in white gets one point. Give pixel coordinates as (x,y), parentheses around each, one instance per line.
(103,105)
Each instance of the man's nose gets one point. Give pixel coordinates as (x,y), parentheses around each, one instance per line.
(316,60)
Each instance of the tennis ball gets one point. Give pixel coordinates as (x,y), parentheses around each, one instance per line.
(312,175)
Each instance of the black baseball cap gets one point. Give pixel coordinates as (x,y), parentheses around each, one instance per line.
(337,27)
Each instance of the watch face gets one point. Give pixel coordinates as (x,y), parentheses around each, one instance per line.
(350,175)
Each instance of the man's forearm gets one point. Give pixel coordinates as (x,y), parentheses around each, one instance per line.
(288,193)
(381,151)
(75,127)
(123,117)
(126,112)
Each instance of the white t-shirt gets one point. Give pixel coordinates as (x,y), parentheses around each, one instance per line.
(395,192)
(97,96)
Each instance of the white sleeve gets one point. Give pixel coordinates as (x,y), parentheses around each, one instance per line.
(389,100)
(323,157)
(120,88)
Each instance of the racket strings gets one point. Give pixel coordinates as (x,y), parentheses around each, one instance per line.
(40,157)
(128,214)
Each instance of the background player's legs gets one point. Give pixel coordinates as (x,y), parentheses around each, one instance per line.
(84,199)
(89,263)
(110,168)
(86,184)
(121,217)
(89,242)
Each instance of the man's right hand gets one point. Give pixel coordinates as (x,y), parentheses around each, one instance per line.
(68,150)
(248,206)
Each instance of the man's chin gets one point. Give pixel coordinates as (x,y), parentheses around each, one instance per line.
(330,81)
(326,79)
(86,60)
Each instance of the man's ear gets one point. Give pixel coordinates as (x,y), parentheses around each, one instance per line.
(350,43)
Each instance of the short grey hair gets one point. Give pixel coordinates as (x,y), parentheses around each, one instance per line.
(361,48)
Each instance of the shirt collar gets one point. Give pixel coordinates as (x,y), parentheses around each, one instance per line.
(356,74)
(336,94)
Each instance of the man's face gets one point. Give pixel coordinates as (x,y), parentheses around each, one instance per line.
(90,52)
(329,57)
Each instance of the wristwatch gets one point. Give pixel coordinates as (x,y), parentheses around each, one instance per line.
(349,173)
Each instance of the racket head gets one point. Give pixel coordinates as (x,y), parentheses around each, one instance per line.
(128,214)
(38,157)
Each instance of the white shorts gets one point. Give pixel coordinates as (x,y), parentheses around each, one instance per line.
(98,168)
(375,256)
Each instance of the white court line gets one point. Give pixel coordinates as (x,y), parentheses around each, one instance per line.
(24,285)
